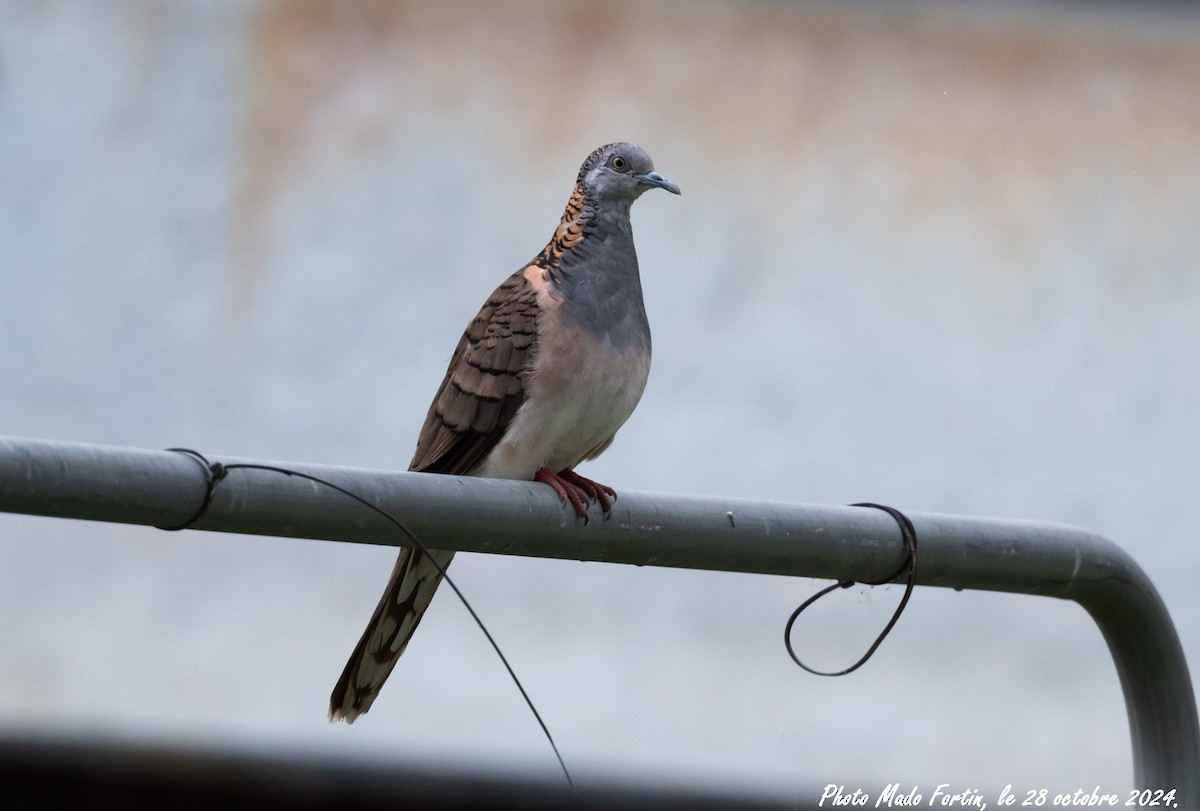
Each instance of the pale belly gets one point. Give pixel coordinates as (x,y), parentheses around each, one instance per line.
(582,393)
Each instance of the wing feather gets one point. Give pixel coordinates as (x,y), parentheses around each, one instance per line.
(485,382)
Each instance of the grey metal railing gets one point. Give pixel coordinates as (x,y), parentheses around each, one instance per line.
(165,488)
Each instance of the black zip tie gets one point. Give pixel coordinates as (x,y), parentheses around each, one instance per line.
(909,533)
(213,473)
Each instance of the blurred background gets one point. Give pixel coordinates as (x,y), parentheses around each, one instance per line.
(937,255)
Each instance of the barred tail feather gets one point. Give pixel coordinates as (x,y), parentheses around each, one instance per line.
(414,580)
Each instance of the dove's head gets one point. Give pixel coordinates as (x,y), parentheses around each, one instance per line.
(620,173)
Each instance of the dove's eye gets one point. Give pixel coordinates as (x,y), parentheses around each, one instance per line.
(618,163)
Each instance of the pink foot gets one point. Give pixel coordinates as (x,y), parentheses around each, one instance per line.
(595,490)
(578,490)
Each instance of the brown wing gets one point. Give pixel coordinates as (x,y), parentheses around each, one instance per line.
(485,384)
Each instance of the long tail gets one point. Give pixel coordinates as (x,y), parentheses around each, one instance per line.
(413,582)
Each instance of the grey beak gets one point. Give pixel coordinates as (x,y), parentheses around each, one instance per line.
(655,179)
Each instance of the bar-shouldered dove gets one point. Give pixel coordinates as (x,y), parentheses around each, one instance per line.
(545,374)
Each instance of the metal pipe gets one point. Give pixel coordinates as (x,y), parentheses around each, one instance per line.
(164,488)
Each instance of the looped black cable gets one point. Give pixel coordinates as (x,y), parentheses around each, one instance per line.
(213,473)
(909,533)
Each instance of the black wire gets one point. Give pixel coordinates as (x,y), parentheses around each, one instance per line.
(909,533)
(215,471)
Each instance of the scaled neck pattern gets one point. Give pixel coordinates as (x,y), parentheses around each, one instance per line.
(592,256)
(570,232)
(583,227)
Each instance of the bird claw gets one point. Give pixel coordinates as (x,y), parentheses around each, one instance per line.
(594,490)
(579,490)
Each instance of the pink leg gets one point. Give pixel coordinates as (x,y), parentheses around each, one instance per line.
(578,490)
(595,490)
